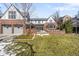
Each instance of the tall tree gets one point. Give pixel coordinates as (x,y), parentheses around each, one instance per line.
(25,7)
(68,26)
(0,13)
(56,15)
(56,18)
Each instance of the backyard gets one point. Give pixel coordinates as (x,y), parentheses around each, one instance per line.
(52,45)
(56,45)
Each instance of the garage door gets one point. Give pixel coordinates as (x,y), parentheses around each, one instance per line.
(18,30)
(7,30)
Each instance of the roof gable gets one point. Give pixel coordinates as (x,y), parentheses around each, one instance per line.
(12,8)
(50,19)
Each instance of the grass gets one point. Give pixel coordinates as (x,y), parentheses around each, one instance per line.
(24,37)
(55,45)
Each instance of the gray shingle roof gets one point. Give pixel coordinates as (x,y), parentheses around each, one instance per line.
(38,19)
(16,9)
(75,22)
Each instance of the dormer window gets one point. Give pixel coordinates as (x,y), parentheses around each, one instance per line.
(12,15)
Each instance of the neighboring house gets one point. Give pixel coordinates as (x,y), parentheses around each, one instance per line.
(14,21)
(75,23)
(0,13)
(52,24)
(38,22)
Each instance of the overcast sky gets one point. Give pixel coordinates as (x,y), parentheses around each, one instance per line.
(44,10)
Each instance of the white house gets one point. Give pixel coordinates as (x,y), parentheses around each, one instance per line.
(13,22)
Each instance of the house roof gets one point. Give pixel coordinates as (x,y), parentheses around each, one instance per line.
(38,19)
(75,22)
(15,8)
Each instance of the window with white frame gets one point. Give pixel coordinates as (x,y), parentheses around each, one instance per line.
(42,21)
(12,15)
(35,21)
(39,22)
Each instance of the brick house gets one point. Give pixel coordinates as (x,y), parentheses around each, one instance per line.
(75,24)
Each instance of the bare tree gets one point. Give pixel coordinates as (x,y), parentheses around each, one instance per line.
(56,15)
(26,8)
(0,13)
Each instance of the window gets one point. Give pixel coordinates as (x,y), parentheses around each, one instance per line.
(51,26)
(42,21)
(34,21)
(12,15)
(38,21)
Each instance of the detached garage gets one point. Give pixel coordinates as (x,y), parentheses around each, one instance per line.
(7,29)
(12,21)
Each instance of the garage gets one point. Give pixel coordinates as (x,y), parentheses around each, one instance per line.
(7,29)
(18,29)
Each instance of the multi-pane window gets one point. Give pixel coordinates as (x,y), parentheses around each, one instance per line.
(42,21)
(38,21)
(51,26)
(34,21)
(12,15)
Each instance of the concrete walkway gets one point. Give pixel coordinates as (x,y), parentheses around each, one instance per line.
(42,33)
(4,40)
(2,36)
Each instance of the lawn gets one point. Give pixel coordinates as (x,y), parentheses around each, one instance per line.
(24,37)
(55,45)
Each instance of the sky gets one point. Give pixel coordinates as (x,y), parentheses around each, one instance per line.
(44,10)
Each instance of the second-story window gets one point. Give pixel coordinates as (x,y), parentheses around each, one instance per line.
(12,15)
(39,22)
(42,21)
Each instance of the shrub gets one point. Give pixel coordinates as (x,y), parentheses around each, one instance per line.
(61,26)
(68,26)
